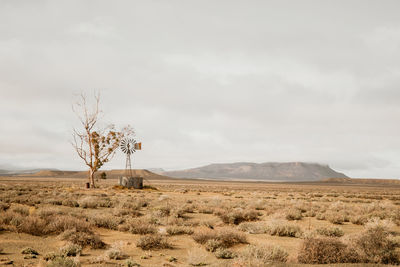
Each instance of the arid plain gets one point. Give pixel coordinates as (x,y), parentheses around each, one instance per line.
(55,221)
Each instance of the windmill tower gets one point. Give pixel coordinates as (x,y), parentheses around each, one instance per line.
(129,146)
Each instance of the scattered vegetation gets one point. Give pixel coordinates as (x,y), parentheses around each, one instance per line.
(219,219)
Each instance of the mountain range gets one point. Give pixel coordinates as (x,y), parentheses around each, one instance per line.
(269,171)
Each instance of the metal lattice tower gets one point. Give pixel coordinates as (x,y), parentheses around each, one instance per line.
(128,146)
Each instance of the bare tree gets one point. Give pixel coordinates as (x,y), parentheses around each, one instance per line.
(94,145)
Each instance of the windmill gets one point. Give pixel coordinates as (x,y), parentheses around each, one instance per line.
(129,146)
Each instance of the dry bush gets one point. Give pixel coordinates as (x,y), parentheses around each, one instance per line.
(179,230)
(105,221)
(115,252)
(221,238)
(324,250)
(105,203)
(59,224)
(141,226)
(71,249)
(293,214)
(121,211)
(47,212)
(11,218)
(253,228)
(88,202)
(261,256)
(237,216)
(30,251)
(163,211)
(282,228)
(155,241)
(83,238)
(33,225)
(223,253)
(70,203)
(259,205)
(60,261)
(375,244)
(359,219)
(335,217)
(332,231)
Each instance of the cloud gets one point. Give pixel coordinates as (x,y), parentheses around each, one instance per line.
(202,83)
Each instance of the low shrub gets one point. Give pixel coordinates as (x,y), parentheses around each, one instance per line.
(70,203)
(116,254)
(332,231)
(155,241)
(29,251)
(261,256)
(71,250)
(106,221)
(60,261)
(48,212)
(293,214)
(238,216)
(359,219)
(88,202)
(324,250)
(375,244)
(59,224)
(281,228)
(83,238)
(335,217)
(222,238)
(252,228)
(222,253)
(33,225)
(140,226)
(179,230)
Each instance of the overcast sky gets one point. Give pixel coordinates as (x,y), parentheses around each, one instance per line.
(206,81)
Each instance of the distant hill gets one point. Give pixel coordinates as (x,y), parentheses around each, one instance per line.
(269,171)
(156,170)
(13,172)
(111,174)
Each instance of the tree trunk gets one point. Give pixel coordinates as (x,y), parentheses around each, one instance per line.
(91,178)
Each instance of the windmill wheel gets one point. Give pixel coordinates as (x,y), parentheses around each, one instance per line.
(128,145)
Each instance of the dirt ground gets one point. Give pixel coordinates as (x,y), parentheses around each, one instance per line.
(192,204)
